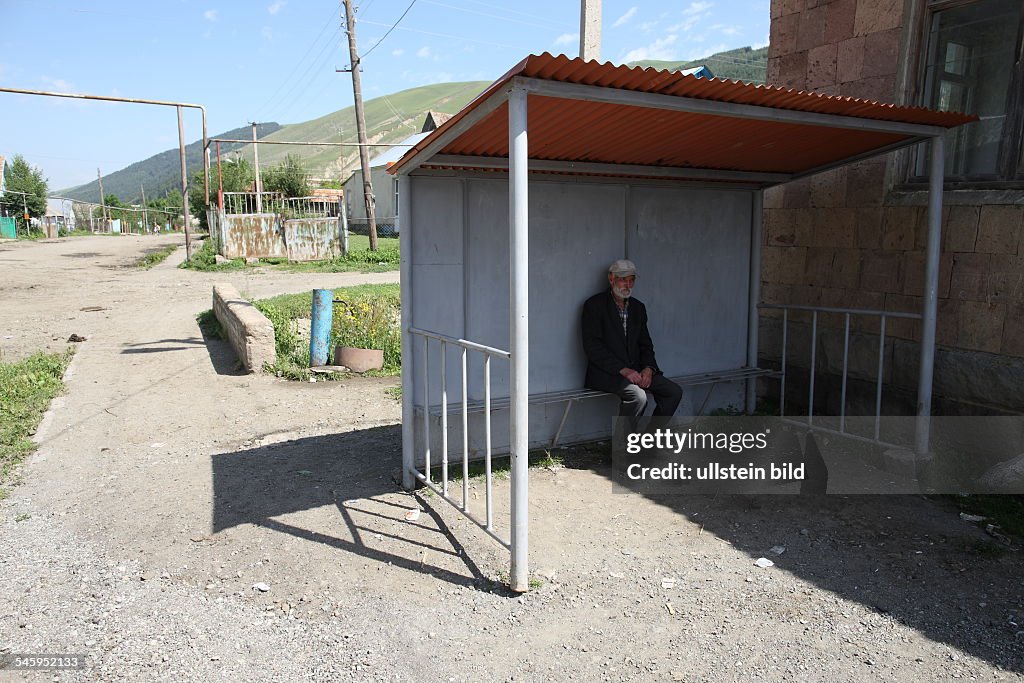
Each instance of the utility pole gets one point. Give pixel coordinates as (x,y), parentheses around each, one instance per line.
(259,179)
(364,156)
(590,29)
(103,202)
(184,187)
(145,211)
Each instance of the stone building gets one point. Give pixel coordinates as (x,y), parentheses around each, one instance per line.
(854,237)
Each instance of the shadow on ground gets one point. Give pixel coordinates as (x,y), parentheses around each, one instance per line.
(908,557)
(352,475)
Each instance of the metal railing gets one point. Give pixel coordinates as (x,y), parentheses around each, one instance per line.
(847,313)
(387,226)
(488,352)
(289,208)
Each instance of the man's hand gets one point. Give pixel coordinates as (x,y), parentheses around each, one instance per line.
(634,377)
(645,378)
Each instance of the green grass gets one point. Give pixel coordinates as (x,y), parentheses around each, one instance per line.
(26,389)
(359,258)
(156,256)
(395,393)
(209,325)
(370,320)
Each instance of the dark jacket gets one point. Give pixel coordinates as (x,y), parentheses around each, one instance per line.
(607,349)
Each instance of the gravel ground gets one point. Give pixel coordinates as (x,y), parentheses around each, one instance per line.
(169,490)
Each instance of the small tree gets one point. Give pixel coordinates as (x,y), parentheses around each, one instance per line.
(289,178)
(236,175)
(22,178)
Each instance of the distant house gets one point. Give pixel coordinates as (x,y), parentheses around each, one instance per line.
(699,72)
(385,189)
(3,162)
(433,120)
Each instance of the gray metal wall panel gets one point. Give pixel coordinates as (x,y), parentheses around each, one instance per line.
(692,249)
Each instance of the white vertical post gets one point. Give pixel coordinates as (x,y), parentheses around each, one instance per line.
(405,290)
(929,311)
(520,332)
(754,296)
(590,29)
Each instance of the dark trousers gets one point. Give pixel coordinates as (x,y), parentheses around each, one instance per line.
(667,395)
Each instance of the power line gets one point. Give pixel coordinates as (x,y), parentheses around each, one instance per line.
(387,33)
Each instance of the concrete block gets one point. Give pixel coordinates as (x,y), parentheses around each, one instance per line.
(946,322)
(828,189)
(780,231)
(881,53)
(881,271)
(250,333)
(1013,331)
(783,34)
(903,328)
(834,227)
(850,59)
(960,232)
(773,196)
(798,194)
(1007,278)
(784,265)
(876,89)
(818,268)
(913,273)
(869,228)
(811,30)
(877,15)
(772,71)
(793,70)
(999,229)
(839,18)
(821,67)
(865,184)
(970,277)
(846,266)
(980,326)
(898,226)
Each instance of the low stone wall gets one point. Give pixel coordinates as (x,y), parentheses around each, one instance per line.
(250,332)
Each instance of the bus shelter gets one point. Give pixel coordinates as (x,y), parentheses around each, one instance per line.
(512,210)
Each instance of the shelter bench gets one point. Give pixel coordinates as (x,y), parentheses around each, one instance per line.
(571,396)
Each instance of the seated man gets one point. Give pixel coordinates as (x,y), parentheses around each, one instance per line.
(620,353)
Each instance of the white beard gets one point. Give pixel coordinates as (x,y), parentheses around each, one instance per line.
(622,292)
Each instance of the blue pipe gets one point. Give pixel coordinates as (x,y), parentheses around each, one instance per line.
(320,328)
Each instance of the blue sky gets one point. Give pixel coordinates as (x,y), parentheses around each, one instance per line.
(275,60)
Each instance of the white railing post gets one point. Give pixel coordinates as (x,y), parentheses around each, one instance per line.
(520,334)
(405,289)
(754,295)
(929,312)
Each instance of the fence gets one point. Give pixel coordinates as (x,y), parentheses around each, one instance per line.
(8,228)
(386,227)
(879,369)
(270,225)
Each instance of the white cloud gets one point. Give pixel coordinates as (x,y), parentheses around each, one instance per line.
(267,33)
(58,83)
(687,24)
(726,29)
(210,15)
(567,39)
(698,7)
(276,7)
(397,52)
(625,17)
(659,49)
(424,53)
(648,26)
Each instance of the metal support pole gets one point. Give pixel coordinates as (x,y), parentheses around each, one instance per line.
(754,296)
(929,311)
(259,178)
(520,335)
(405,291)
(320,327)
(184,186)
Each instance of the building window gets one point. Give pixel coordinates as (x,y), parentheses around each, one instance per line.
(972,63)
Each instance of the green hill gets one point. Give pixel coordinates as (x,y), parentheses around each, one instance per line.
(742,64)
(389,119)
(160,172)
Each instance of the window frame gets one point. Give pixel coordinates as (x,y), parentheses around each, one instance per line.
(1010,163)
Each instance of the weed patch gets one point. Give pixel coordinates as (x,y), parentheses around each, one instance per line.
(368,319)
(157,256)
(26,389)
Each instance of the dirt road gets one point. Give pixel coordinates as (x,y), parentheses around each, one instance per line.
(169,490)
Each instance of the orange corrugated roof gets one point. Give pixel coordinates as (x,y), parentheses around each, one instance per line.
(579,130)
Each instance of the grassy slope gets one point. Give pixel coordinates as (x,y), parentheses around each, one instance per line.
(389,120)
(744,64)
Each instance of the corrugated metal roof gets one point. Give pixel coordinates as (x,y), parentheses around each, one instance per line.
(579,130)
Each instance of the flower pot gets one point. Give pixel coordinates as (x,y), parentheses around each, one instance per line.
(359,360)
